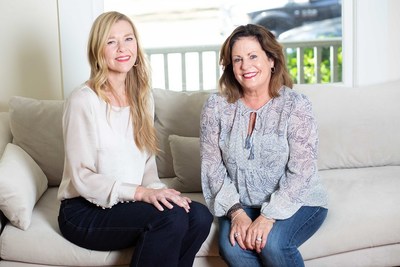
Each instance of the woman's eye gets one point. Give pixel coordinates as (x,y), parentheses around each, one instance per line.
(253,56)
(235,60)
(111,42)
(129,39)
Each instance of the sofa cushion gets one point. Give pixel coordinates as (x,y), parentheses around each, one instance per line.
(36,126)
(363,211)
(22,183)
(358,127)
(60,251)
(175,113)
(186,161)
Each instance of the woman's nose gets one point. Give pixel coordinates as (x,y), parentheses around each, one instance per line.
(245,64)
(121,46)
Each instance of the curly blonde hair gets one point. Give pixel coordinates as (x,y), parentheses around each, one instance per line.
(138,88)
(228,85)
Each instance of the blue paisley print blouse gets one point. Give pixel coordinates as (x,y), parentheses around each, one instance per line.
(275,168)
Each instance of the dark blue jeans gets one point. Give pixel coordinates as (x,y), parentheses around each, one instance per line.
(283,241)
(161,238)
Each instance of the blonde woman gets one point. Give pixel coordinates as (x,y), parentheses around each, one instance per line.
(111,196)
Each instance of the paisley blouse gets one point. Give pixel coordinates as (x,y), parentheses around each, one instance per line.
(273,168)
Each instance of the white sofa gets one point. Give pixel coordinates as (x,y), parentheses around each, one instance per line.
(359,162)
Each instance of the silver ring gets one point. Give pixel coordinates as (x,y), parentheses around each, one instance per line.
(236,235)
(258,239)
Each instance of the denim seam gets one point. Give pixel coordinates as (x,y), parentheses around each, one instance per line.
(301,227)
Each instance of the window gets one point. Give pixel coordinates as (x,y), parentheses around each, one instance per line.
(182,37)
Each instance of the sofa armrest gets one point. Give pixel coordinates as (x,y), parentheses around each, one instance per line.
(5,131)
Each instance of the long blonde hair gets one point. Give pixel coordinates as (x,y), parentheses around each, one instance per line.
(137,83)
(228,85)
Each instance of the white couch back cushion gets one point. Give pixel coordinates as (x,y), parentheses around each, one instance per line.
(5,133)
(36,126)
(358,127)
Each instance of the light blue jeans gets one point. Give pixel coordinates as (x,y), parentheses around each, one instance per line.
(283,241)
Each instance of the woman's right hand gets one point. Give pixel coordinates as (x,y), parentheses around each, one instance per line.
(164,196)
(239,225)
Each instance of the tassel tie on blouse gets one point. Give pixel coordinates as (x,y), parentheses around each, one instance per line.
(249,144)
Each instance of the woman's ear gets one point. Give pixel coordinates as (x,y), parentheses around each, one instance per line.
(272,61)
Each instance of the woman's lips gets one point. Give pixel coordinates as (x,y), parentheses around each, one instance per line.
(123,58)
(249,75)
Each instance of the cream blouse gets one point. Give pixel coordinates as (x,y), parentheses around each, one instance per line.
(102,162)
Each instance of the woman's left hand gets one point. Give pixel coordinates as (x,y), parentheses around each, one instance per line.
(257,233)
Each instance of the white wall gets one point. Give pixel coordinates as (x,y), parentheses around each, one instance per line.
(30,55)
(75,20)
(43,47)
(392,42)
(377,41)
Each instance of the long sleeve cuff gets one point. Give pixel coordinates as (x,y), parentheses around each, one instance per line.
(127,192)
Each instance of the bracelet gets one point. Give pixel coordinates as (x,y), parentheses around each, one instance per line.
(239,212)
(268,219)
(234,208)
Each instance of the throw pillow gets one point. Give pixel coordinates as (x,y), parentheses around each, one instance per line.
(22,183)
(176,113)
(186,161)
(36,126)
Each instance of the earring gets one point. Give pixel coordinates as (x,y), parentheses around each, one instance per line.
(273,70)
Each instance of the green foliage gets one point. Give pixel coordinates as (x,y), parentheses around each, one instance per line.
(309,65)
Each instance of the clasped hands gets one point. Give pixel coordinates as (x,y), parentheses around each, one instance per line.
(250,235)
(164,196)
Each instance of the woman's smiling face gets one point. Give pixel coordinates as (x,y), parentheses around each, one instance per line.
(251,65)
(121,48)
